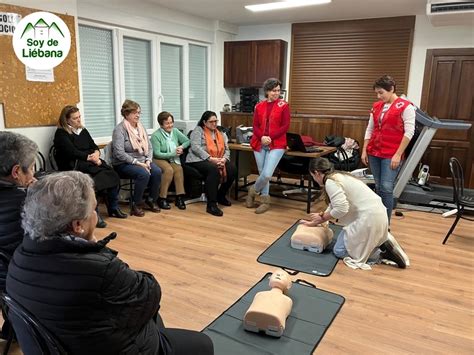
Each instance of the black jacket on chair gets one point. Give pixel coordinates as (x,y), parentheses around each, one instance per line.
(86,296)
(11,233)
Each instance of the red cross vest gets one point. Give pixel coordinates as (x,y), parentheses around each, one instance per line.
(388,133)
(275,121)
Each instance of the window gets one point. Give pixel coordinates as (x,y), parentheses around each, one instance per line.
(97,69)
(171,79)
(161,73)
(138,77)
(198,85)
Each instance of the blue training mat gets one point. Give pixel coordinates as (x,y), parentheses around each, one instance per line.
(312,313)
(281,254)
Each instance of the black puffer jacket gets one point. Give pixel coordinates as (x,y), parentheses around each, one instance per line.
(11,233)
(85,295)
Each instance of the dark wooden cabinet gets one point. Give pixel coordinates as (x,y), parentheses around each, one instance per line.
(250,63)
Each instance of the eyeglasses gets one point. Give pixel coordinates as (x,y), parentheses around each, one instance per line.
(212,121)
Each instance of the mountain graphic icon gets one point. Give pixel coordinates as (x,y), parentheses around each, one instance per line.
(41,25)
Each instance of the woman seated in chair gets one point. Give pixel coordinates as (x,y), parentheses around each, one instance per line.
(132,155)
(168,146)
(210,155)
(17,167)
(78,288)
(76,150)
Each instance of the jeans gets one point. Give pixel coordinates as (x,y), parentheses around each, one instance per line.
(142,179)
(384,177)
(339,249)
(267,160)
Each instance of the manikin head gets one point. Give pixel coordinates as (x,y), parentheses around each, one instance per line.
(280,279)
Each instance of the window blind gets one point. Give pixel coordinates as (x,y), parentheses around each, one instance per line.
(138,77)
(97,69)
(198,85)
(171,79)
(334,64)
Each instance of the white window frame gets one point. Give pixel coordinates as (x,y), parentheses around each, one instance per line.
(154,70)
(209,76)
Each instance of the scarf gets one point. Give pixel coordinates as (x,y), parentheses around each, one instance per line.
(170,146)
(76,131)
(139,142)
(216,148)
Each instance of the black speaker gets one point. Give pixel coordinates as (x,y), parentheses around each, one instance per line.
(248,99)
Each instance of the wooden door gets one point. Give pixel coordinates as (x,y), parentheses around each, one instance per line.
(448,94)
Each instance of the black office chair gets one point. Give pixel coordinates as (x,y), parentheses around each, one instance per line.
(194,181)
(32,336)
(460,198)
(126,183)
(52,158)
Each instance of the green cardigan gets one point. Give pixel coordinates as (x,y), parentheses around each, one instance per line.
(160,147)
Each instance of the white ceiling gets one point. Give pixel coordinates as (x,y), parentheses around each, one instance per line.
(233,11)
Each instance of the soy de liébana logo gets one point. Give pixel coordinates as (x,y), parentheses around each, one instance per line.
(41,40)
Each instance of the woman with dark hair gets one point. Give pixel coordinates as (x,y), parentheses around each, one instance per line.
(78,288)
(210,155)
(168,145)
(132,155)
(390,129)
(365,233)
(76,150)
(271,120)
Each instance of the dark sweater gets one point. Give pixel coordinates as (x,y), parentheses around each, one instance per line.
(11,233)
(71,148)
(85,295)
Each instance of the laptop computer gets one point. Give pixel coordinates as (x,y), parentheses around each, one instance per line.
(295,143)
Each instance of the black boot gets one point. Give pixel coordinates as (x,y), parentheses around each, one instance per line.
(214,210)
(100,222)
(136,211)
(180,202)
(117,213)
(222,200)
(151,205)
(164,205)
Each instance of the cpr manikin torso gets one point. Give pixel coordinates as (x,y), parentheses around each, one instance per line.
(313,239)
(269,309)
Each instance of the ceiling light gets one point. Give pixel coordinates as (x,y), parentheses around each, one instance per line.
(285,5)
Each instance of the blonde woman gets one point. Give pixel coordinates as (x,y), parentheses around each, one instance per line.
(132,155)
(76,150)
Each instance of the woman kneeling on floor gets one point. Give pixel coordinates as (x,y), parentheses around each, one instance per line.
(365,236)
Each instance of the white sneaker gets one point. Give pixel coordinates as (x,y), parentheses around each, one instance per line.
(393,251)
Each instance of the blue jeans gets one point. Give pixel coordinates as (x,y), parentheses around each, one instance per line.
(267,160)
(384,177)
(142,179)
(339,249)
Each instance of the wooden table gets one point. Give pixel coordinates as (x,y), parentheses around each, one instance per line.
(245,148)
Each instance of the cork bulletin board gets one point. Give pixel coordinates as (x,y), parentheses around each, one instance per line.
(28,103)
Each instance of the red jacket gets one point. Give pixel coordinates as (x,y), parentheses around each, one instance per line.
(279,122)
(387,136)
